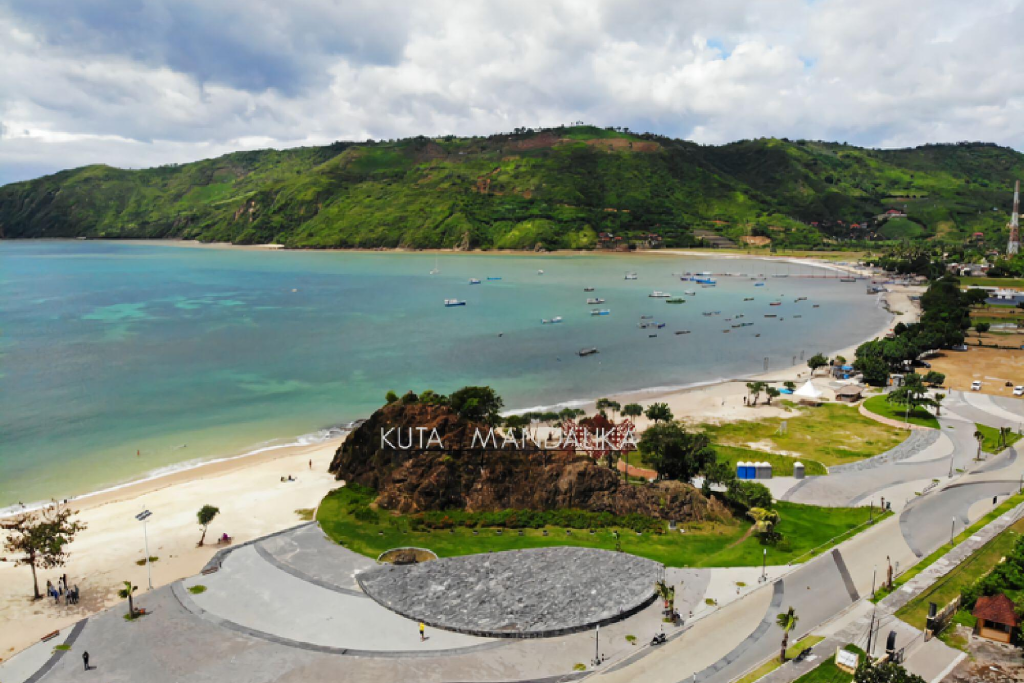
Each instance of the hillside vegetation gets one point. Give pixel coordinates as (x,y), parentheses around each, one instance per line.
(556,188)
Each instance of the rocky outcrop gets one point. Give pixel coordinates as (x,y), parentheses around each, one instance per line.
(457,473)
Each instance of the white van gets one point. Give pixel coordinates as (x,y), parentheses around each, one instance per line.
(976,385)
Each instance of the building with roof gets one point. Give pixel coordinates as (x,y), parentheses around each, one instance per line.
(850,393)
(997,617)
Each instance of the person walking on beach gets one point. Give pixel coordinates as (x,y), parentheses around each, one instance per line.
(310,463)
(423,628)
(85,659)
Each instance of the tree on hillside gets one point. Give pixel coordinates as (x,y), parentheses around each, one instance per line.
(390,397)
(886,672)
(675,453)
(816,361)
(787,622)
(38,538)
(205,516)
(658,412)
(477,404)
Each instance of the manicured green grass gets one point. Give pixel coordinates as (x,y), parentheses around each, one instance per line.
(828,672)
(1012,283)
(804,528)
(791,652)
(943,591)
(991,442)
(1004,507)
(782,465)
(894,411)
(831,434)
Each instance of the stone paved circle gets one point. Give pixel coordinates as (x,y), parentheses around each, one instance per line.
(533,593)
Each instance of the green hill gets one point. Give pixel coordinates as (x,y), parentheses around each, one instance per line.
(555,188)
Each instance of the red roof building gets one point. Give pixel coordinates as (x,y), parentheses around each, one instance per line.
(997,617)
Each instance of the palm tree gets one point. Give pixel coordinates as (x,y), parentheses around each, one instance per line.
(787,622)
(765,520)
(667,593)
(980,438)
(127,592)
(772,393)
(1003,433)
(938,398)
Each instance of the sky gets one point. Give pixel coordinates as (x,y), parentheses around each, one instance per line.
(135,83)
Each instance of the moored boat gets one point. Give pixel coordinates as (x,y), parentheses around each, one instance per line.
(474,281)
(630,276)
(601,311)
(658,294)
(595,301)
(453,302)
(588,352)
(550,321)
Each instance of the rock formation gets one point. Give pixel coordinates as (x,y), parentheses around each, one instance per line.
(458,475)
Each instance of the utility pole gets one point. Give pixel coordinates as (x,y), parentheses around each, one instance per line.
(764,566)
(142,517)
(951,528)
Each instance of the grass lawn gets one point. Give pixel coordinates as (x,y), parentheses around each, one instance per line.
(894,411)
(831,434)
(782,465)
(991,442)
(828,672)
(1008,282)
(804,528)
(943,591)
(1002,508)
(791,652)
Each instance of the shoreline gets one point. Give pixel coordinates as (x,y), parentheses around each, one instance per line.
(255,502)
(178,471)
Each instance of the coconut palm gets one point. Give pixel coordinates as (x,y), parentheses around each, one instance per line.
(787,622)
(938,399)
(205,516)
(980,438)
(127,593)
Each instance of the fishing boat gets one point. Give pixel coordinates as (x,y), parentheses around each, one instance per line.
(494,278)
(630,276)
(770,315)
(749,298)
(650,325)
(658,294)
(588,352)
(601,311)
(738,325)
(797,316)
(588,289)
(707,313)
(540,272)
(759,284)
(775,303)
(758,334)
(453,302)
(801,298)
(646,317)
(652,335)
(726,331)
(675,301)
(682,332)
(816,306)
(690,292)
(746,324)
(474,281)
(595,301)
(740,316)
(551,321)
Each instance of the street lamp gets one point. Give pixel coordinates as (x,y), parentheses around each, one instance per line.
(764,566)
(142,517)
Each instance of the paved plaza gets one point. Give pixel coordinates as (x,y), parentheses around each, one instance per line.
(518,593)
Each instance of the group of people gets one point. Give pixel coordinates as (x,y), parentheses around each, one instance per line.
(62,590)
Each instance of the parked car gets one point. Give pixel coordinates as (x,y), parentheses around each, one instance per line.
(921,364)
(976,385)
(1018,391)
(963,347)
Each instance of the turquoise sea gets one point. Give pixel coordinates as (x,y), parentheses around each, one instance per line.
(184,354)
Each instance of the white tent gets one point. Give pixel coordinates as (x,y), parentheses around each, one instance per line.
(809,391)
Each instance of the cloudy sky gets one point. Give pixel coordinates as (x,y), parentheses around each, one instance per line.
(143,82)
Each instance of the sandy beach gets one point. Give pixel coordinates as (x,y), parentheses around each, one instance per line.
(254,502)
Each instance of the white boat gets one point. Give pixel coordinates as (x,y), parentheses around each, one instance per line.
(474,281)
(601,311)
(551,321)
(540,272)
(453,302)
(630,276)
(593,302)
(658,294)
(690,292)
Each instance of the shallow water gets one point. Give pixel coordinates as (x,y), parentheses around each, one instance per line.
(108,349)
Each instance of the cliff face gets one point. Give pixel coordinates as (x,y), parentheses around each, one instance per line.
(460,476)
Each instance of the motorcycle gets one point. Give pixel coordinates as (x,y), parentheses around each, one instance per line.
(658,639)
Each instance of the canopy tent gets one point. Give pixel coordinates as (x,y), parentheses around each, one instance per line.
(808,390)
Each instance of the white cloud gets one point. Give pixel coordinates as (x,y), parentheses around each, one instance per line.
(180,80)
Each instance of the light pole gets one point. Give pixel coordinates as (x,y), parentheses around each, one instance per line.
(874,572)
(597,645)
(142,517)
(952,526)
(764,566)
(951,467)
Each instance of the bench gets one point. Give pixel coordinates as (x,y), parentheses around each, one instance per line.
(50,636)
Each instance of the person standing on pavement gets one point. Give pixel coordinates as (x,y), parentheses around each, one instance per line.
(423,628)
(85,660)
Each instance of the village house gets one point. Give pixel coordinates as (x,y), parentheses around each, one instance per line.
(997,617)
